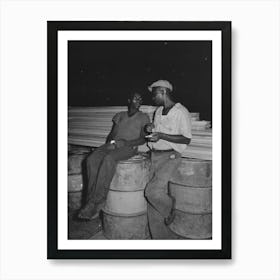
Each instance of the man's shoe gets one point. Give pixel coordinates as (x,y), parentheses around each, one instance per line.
(90,212)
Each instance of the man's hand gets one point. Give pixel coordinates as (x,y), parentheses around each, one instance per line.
(120,143)
(149,127)
(111,146)
(154,137)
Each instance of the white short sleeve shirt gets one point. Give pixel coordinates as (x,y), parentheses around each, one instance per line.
(176,122)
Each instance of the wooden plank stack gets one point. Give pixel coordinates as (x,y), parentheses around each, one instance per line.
(89,126)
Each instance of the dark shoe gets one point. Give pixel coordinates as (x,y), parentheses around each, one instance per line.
(90,212)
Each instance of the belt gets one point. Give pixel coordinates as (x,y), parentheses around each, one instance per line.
(162,151)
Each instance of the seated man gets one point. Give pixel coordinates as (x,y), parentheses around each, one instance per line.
(171,133)
(122,143)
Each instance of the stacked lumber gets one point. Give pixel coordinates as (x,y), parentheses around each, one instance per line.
(89,126)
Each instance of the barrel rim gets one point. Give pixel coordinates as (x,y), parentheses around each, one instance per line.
(131,160)
(192,213)
(196,160)
(108,212)
(188,186)
(78,153)
(140,156)
(129,191)
(75,191)
(190,236)
(74,173)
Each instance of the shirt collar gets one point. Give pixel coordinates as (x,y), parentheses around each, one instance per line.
(176,105)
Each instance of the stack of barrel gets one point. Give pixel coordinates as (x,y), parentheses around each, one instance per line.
(125,211)
(191,186)
(76,158)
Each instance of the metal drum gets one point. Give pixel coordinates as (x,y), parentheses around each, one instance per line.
(76,159)
(191,185)
(75,188)
(116,226)
(126,202)
(125,211)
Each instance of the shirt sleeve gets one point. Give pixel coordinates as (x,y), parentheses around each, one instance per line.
(185,125)
(116,118)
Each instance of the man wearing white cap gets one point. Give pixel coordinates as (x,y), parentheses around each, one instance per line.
(171,133)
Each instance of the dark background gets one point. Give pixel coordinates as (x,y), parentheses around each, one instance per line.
(102,73)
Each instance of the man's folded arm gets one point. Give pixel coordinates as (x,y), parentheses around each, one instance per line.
(180,139)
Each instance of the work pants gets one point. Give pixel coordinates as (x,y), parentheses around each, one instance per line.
(101,167)
(156,193)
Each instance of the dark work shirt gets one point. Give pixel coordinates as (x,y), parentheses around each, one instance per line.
(129,128)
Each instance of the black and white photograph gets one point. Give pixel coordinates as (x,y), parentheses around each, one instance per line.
(139,118)
(117,138)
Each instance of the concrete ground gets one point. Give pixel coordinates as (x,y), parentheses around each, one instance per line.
(84,230)
(79,229)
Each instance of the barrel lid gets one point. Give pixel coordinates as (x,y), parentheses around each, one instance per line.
(196,160)
(78,152)
(137,158)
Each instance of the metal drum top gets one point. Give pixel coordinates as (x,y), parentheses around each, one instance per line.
(140,157)
(132,174)
(79,149)
(193,172)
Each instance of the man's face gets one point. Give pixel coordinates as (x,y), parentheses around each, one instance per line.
(136,100)
(158,95)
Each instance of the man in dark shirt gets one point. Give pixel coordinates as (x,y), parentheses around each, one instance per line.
(122,143)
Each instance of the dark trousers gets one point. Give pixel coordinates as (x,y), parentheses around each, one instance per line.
(156,192)
(101,167)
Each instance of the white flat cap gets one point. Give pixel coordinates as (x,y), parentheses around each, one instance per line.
(160,83)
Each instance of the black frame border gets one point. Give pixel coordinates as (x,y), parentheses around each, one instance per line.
(52,117)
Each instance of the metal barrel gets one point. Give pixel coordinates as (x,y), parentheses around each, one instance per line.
(191,186)
(75,188)
(76,159)
(126,202)
(125,210)
(116,226)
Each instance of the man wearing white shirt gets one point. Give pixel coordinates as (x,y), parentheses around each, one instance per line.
(171,133)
